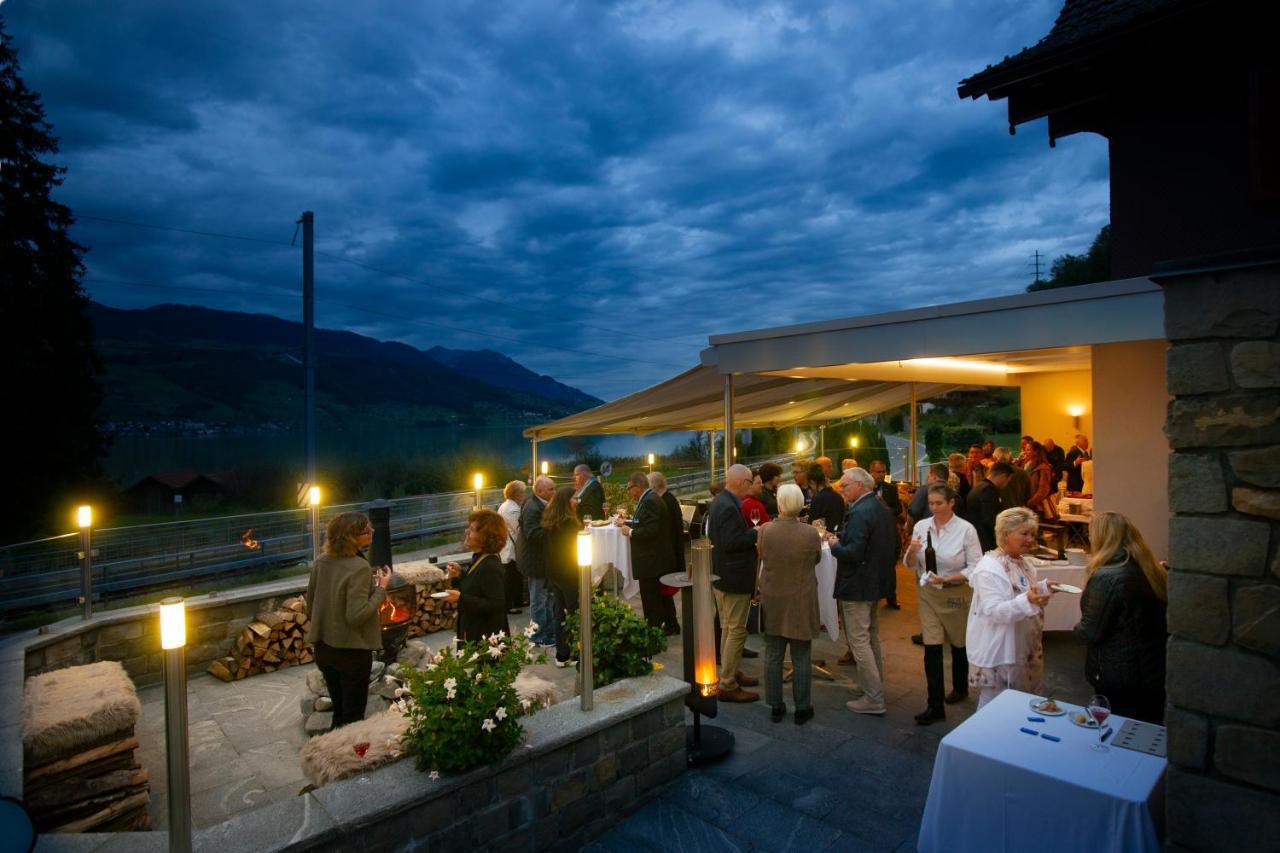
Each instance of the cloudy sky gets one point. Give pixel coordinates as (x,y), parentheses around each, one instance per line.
(589,187)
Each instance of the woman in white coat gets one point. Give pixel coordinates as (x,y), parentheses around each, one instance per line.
(1006,619)
(513,494)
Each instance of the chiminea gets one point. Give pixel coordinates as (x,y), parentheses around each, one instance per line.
(394,616)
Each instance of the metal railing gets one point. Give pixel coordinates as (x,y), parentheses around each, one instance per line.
(173,554)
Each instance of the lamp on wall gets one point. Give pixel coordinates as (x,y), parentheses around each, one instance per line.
(1075,411)
(584,614)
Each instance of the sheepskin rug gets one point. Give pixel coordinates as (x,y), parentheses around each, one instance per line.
(360,747)
(69,710)
(420,572)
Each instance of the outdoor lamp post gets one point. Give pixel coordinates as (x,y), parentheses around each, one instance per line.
(584,615)
(853,441)
(477,482)
(173,640)
(313,503)
(84,518)
(650,463)
(546,469)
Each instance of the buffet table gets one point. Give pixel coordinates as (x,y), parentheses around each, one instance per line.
(610,546)
(997,788)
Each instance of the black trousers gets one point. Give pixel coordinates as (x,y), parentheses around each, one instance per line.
(659,609)
(514,582)
(564,604)
(346,674)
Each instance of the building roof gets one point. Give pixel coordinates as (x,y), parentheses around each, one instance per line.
(1082,26)
(177,480)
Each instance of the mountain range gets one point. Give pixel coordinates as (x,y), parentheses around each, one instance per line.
(182,363)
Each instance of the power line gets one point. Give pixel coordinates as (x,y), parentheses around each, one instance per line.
(186,230)
(399,317)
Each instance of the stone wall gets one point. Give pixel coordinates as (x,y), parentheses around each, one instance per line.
(1223,428)
(132,635)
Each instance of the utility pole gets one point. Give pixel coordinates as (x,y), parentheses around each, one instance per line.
(1035,263)
(308,222)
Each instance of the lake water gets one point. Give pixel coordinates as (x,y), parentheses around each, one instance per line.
(134,456)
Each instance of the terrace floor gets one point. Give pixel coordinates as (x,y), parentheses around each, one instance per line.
(842,781)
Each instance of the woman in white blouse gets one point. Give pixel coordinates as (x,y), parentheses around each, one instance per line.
(513,495)
(944,597)
(1006,620)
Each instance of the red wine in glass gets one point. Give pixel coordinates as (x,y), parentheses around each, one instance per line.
(1099,709)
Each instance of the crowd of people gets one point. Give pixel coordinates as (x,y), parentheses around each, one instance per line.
(965,535)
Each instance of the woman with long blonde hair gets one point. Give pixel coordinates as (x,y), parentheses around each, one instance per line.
(1123,619)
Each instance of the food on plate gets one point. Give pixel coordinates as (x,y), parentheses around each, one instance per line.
(1081,719)
(601,523)
(1049,706)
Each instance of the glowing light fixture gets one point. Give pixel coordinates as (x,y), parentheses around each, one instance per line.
(84,516)
(1075,411)
(545,468)
(173,623)
(584,626)
(313,496)
(957,364)
(478,481)
(173,639)
(704,641)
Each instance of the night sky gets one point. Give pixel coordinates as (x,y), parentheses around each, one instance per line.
(544,178)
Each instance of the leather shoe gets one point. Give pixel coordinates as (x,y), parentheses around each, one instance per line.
(747,680)
(846,659)
(777,712)
(918,639)
(955,696)
(865,706)
(749,653)
(738,695)
(804,716)
(929,715)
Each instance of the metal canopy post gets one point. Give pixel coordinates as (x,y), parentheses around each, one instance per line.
(533,464)
(728,424)
(822,440)
(912,464)
(712,444)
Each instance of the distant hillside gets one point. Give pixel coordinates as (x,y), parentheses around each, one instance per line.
(186,363)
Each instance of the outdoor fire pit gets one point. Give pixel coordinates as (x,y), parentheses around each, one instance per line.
(395,614)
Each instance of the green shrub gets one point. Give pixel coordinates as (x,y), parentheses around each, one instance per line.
(958,438)
(622,643)
(463,709)
(933,443)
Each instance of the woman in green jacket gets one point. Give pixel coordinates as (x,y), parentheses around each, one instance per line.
(343,597)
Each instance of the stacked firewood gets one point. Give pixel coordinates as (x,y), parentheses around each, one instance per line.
(273,640)
(79,770)
(432,614)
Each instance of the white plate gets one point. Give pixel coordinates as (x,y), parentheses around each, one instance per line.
(439,595)
(1091,724)
(1066,587)
(1057,713)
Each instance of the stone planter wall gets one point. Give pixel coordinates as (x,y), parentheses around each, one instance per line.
(1223,684)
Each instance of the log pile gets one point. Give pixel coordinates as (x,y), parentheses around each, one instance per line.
(79,770)
(273,640)
(432,615)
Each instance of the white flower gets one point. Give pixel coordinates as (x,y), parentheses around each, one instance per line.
(501,713)
(450,683)
(488,725)
(450,693)
(531,629)
(474,657)
(496,651)
(435,774)
(479,677)
(430,667)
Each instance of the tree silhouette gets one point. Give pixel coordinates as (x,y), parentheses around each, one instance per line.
(1070,270)
(54,442)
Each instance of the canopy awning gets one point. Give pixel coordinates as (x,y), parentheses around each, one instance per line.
(694,400)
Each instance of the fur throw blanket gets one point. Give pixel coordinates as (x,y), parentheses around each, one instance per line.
(69,710)
(359,747)
(420,572)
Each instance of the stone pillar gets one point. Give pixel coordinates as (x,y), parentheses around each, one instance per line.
(1223,427)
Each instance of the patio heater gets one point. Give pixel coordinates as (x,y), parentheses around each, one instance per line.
(584,616)
(703,744)
(173,640)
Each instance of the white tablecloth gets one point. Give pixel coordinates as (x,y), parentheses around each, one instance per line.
(608,545)
(996,789)
(1063,612)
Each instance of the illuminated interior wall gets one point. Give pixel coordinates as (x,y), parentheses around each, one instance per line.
(1046,400)
(1131,459)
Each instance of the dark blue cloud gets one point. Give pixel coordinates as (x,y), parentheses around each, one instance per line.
(623,178)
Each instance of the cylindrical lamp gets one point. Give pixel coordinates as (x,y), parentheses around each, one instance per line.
(477,482)
(650,463)
(173,640)
(545,469)
(313,504)
(84,519)
(704,615)
(584,615)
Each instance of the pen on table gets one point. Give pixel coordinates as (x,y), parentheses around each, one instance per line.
(1106,735)
(1035,719)
(1026,730)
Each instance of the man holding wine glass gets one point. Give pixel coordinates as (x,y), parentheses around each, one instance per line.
(944,549)
(651,552)
(753,508)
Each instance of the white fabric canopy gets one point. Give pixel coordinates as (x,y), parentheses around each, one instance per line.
(694,400)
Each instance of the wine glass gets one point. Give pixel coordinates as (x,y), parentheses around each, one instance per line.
(821,524)
(755,517)
(1099,709)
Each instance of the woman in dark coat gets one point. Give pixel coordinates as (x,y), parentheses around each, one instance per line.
(827,503)
(561,522)
(1123,619)
(480,589)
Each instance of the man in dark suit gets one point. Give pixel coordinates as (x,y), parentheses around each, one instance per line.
(1078,454)
(888,495)
(733,558)
(590,494)
(1057,461)
(985,504)
(675,520)
(531,556)
(865,551)
(650,535)
(1017,491)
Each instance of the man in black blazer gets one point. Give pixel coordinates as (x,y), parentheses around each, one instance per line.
(675,520)
(985,503)
(531,556)
(733,558)
(865,551)
(590,494)
(650,535)
(888,494)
